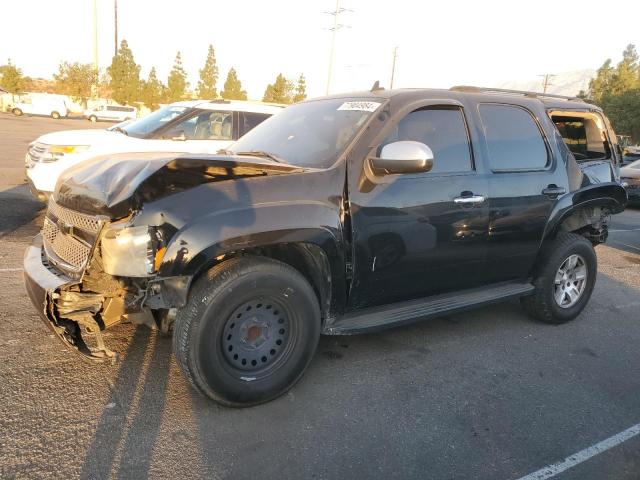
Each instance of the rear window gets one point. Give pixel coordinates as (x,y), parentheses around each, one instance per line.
(584,136)
(513,138)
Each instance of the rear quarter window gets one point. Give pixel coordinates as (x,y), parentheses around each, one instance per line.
(514,140)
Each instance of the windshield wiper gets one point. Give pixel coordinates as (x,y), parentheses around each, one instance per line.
(260,153)
(121,130)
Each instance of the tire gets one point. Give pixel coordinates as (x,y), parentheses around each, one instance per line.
(549,303)
(240,360)
(17,112)
(93,119)
(55,115)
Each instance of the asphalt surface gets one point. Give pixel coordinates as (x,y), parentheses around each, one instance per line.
(488,394)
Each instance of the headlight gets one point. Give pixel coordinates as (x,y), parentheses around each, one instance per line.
(131,251)
(56,152)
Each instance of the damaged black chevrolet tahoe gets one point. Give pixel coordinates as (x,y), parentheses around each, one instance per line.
(340,215)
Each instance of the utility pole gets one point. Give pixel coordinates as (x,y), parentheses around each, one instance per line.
(95,48)
(115,25)
(546,82)
(336,26)
(393,67)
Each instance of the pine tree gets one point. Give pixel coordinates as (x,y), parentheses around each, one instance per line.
(281,91)
(177,83)
(208,77)
(233,87)
(124,75)
(626,76)
(152,91)
(600,85)
(75,80)
(301,89)
(11,78)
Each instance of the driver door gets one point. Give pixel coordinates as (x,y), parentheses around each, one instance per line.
(421,234)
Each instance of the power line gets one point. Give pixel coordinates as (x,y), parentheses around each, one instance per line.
(546,81)
(336,26)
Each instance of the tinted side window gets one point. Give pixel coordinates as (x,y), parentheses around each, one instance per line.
(513,138)
(252,120)
(444,131)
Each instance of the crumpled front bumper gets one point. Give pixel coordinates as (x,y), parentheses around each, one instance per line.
(42,283)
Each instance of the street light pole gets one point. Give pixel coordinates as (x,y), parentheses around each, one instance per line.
(393,67)
(95,48)
(115,26)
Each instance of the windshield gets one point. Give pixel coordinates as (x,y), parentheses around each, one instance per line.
(149,124)
(309,134)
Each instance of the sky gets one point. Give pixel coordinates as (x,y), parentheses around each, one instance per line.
(440,43)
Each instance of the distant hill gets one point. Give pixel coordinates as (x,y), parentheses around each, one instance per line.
(567,83)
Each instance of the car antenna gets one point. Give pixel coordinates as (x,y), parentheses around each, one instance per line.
(376,86)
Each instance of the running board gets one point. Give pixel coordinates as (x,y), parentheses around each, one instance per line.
(388,316)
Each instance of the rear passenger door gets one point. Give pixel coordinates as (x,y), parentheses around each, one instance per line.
(524,185)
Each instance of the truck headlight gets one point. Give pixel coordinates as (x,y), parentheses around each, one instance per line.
(56,152)
(131,251)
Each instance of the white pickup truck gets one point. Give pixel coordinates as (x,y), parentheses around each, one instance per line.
(194,127)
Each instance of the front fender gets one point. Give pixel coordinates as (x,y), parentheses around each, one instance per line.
(197,246)
(610,195)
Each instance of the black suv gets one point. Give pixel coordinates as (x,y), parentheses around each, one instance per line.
(339,215)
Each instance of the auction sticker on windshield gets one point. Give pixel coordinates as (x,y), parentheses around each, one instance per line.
(360,106)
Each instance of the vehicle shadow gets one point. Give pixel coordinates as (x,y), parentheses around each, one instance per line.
(18,210)
(128,425)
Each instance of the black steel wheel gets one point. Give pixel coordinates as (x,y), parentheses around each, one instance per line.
(248,331)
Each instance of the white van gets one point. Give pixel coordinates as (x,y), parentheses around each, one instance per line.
(53,106)
(197,126)
(112,113)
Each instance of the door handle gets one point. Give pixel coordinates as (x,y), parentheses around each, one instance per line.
(553,191)
(469,199)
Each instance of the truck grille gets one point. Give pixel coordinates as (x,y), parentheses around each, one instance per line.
(69,237)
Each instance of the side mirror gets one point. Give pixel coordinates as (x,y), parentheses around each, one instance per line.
(402,157)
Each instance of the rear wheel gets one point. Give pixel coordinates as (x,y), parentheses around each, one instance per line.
(93,119)
(248,331)
(55,115)
(564,279)
(17,112)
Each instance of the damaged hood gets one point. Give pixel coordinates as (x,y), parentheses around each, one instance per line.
(116,185)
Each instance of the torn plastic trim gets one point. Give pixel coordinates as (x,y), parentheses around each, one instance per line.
(43,287)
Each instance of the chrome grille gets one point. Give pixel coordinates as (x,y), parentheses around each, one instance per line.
(68,238)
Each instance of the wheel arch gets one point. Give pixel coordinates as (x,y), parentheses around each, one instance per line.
(315,253)
(585,207)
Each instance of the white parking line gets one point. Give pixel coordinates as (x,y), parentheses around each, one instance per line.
(629,230)
(10,269)
(583,455)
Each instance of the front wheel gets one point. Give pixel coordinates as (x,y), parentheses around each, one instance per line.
(55,115)
(93,119)
(248,331)
(564,279)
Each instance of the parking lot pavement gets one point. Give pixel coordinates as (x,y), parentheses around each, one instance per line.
(488,394)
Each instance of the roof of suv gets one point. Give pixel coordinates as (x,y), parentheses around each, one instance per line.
(478,94)
(232,105)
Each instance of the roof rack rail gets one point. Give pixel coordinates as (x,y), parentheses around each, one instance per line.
(465,88)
